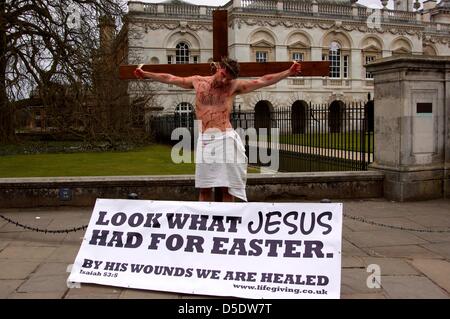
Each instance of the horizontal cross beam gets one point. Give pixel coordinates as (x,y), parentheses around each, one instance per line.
(248,69)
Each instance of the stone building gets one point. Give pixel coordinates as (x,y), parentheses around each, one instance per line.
(342,31)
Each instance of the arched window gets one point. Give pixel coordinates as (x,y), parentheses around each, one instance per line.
(339,60)
(334,56)
(182,53)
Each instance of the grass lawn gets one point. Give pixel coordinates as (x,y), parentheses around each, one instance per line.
(150,160)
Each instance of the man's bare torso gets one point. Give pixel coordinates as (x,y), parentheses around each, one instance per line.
(213,103)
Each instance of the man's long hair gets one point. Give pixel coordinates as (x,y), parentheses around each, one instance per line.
(232,66)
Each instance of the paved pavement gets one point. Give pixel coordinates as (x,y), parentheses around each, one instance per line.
(413,264)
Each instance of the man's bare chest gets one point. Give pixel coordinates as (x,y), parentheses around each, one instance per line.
(209,95)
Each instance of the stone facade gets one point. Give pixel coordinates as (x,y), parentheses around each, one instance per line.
(340,30)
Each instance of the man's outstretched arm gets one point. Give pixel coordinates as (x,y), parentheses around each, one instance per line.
(184,82)
(246,86)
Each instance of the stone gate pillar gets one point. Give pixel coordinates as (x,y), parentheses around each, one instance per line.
(412,126)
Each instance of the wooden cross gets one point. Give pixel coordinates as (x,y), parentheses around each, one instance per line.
(220,49)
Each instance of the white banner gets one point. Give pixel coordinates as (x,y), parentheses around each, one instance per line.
(250,250)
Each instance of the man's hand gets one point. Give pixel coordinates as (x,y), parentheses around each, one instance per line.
(138,72)
(295,69)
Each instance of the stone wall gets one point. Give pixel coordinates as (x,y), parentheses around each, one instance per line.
(83,191)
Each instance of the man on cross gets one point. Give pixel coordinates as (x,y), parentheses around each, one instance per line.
(213,104)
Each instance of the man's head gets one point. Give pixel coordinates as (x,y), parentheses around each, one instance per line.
(232,66)
(226,70)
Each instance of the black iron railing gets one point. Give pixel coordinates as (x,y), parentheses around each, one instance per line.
(306,137)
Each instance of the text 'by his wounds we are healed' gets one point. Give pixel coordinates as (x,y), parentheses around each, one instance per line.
(292,224)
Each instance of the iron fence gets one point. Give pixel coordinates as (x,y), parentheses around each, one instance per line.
(308,137)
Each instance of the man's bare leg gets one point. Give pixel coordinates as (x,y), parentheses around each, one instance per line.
(205,195)
(226,196)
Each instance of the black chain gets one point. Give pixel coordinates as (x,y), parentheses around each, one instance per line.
(45,231)
(358,219)
(370,222)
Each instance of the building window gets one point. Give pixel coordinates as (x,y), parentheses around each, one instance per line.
(182,53)
(195,59)
(368,59)
(345,66)
(183,114)
(298,56)
(261,56)
(169,59)
(334,56)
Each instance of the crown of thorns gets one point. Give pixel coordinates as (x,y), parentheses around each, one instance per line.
(225,64)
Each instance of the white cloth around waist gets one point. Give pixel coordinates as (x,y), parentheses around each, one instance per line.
(221,162)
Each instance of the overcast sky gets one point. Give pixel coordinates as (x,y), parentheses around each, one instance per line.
(369,3)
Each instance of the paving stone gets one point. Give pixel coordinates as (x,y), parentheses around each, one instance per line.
(70,295)
(36,295)
(11,269)
(374,209)
(354,281)
(435,237)
(147,294)
(436,270)
(8,287)
(68,222)
(412,287)
(90,291)
(51,269)
(383,238)
(391,266)
(346,229)
(26,252)
(4,243)
(45,283)
(10,235)
(352,262)
(41,237)
(28,243)
(348,249)
(404,251)
(25,219)
(66,253)
(75,238)
(364,296)
(433,221)
(359,226)
(442,249)
(406,222)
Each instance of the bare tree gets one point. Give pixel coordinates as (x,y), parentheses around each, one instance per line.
(45,44)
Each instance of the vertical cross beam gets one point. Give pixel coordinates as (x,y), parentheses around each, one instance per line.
(220,34)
